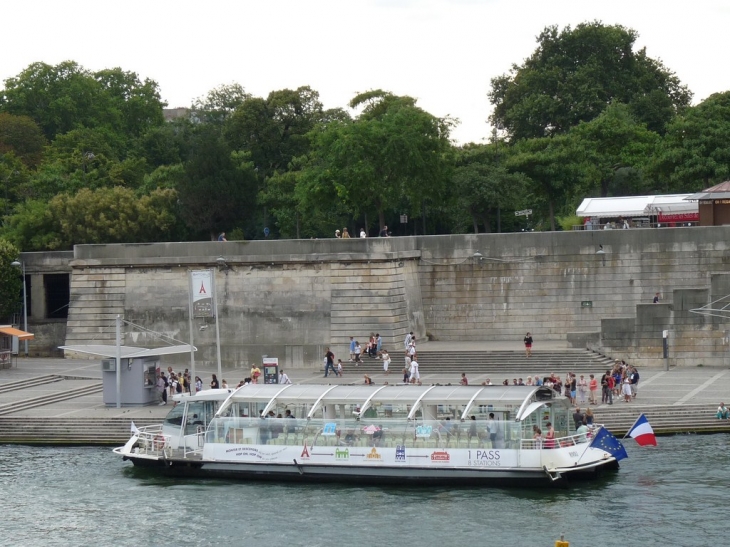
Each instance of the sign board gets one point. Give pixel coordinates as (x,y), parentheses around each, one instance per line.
(404,219)
(523,213)
(201,292)
(271,370)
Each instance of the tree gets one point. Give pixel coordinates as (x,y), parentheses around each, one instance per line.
(393,150)
(481,186)
(66,96)
(11,282)
(575,73)
(23,137)
(615,148)
(218,190)
(695,152)
(554,167)
(219,104)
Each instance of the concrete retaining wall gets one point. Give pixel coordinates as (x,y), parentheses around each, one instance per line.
(292,298)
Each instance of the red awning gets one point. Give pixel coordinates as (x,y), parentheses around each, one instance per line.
(21,334)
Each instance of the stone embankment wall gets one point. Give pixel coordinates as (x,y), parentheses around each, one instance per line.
(293,298)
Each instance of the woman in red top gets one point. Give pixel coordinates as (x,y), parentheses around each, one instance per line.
(549,436)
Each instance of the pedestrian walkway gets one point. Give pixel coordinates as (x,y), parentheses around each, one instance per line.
(674,388)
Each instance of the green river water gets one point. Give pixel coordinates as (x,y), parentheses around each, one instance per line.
(675,494)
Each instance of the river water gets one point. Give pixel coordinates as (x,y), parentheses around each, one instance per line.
(672,495)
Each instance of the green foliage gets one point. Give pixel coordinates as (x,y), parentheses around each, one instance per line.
(393,150)
(11,280)
(695,153)
(567,222)
(575,73)
(21,136)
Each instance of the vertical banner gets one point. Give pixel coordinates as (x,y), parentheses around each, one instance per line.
(201,293)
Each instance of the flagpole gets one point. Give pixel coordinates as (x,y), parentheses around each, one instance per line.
(589,444)
(632,427)
(192,351)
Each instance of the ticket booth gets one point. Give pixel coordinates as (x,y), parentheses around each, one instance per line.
(134,383)
(271,370)
(9,341)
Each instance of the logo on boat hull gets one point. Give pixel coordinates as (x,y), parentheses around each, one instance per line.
(373,455)
(400,453)
(305,452)
(342,454)
(440,456)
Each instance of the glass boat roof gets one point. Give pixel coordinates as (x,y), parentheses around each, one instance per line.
(365,395)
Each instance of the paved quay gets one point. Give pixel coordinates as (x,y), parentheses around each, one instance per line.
(683,395)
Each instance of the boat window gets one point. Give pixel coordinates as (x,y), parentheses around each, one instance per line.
(175,416)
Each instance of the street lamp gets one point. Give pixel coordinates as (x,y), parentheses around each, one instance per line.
(21,265)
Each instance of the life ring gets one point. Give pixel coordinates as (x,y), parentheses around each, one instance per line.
(158,443)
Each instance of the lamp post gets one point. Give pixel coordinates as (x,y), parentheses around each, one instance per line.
(21,265)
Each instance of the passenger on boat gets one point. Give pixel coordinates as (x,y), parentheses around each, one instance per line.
(722,412)
(368,380)
(537,436)
(472,427)
(464,381)
(350,438)
(291,427)
(378,436)
(589,416)
(578,417)
(277,428)
(582,431)
(550,436)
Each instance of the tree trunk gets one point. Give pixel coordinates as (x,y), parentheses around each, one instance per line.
(476,224)
(487,227)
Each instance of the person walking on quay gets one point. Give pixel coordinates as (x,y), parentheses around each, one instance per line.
(582,390)
(255,373)
(222,237)
(352,348)
(607,388)
(337,234)
(160,387)
(198,384)
(634,378)
(358,352)
(339,368)
(214,382)
(626,389)
(463,381)
(363,235)
(528,345)
(593,389)
(415,375)
(345,233)
(656,298)
(329,362)
(407,341)
(283,378)
(386,360)
(589,416)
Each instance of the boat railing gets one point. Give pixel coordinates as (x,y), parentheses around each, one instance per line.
(198,442)
(152,441)
(558,442)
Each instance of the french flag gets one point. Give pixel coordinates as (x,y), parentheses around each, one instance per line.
(642,432)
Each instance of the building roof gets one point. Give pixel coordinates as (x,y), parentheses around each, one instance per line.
(128,352)
(634,206)
(21,334)
(719,191)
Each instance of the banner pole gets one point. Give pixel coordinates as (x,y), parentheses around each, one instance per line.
(192,350)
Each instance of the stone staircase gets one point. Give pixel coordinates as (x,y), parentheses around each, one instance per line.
(665,419)
(47,399)
(69,431)
(369,297)
(98,298)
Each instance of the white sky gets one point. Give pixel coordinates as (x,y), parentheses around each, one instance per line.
(443,52)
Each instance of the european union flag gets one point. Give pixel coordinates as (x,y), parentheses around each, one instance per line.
(605,441)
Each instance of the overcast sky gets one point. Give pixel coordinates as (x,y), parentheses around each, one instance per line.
(442,52)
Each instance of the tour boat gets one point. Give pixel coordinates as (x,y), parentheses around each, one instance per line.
(403,434)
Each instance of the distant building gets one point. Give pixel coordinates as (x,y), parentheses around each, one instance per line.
(714,204)
(175,113)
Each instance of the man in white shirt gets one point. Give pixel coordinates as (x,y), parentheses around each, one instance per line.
(415,376)
(283,378)
(362,233)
